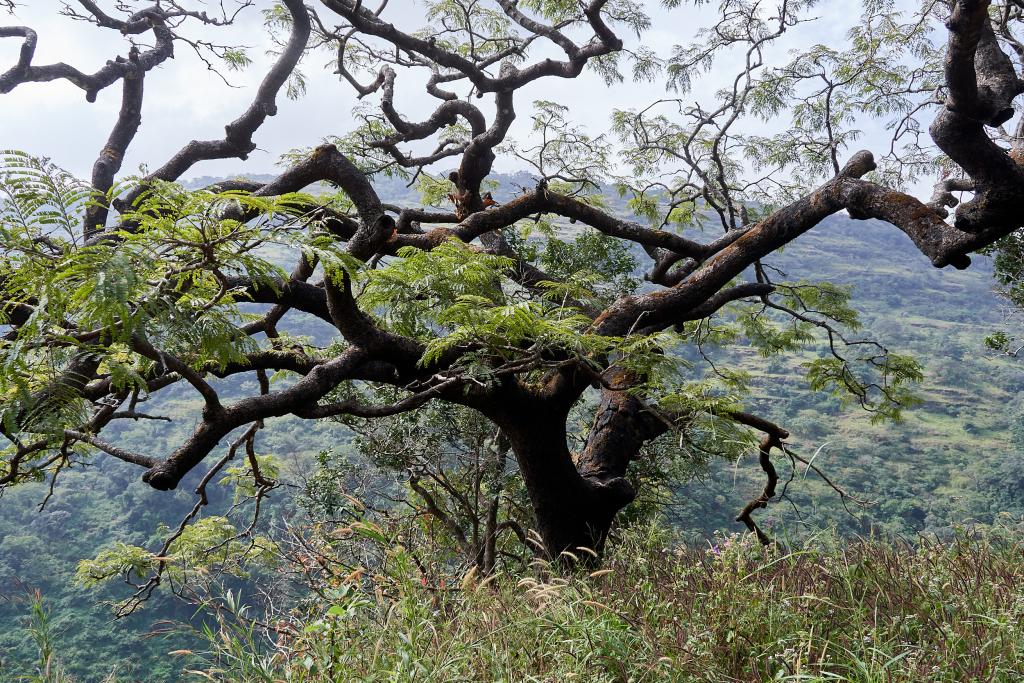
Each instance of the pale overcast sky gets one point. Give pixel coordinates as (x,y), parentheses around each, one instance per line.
(184,101)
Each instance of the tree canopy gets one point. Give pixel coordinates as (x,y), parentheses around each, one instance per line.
(529,312)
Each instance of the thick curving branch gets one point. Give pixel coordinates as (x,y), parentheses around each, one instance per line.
(110,449)
(982,84)
(307,391)
(109,161)
(238,139)
(445,115)
(940,242)
(25,72)
(14,76)
(980,78)
(369,23)
(764,451)
(540,201)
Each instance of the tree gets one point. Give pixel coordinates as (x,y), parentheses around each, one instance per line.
(459,474)
(113,291)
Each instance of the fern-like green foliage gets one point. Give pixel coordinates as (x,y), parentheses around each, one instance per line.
(456,297)
(209,542)
(163,276)
(414,294)
(240,477)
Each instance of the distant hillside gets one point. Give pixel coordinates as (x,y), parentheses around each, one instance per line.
(957,458)
(398,191)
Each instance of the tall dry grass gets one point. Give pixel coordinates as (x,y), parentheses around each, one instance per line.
(866,611)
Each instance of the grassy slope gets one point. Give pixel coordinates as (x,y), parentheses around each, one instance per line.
(822,611)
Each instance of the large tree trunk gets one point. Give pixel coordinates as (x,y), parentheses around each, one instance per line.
(575,498)
(573,511)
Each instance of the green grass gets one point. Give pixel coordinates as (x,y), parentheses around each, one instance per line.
(867,611)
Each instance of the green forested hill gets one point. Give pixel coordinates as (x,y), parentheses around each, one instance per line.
(957,456)
(955,459)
